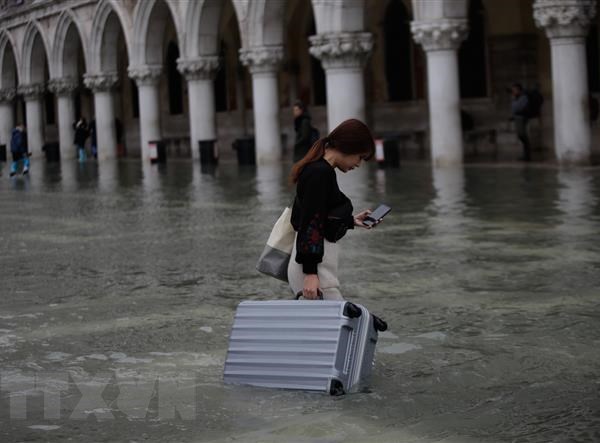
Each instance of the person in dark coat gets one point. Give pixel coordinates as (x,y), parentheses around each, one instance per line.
(18,149)
(81,135)
(94,141)
(303,130)
(519,108)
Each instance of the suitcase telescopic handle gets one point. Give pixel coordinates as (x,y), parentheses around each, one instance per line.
(319,295)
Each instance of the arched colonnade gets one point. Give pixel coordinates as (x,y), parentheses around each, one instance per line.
(118,49)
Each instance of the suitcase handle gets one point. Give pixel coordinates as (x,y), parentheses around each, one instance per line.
(319,295)
(379,324)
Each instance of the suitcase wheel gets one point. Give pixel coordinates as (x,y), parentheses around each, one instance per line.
(336,388)
(352,311)
(379,324)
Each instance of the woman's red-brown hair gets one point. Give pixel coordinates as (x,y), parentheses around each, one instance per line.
(349,137)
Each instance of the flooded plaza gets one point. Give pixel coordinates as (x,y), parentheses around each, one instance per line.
(120,282)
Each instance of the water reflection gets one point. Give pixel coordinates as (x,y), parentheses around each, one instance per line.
(449,202)
(575,194)
(356,185)
(488,277)
(576,202)
(380,181)
(108,176)
(269,180)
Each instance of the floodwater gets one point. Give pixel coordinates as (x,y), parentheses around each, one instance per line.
(119,285)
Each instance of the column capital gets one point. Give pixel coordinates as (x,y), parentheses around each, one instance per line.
(440,35)
(7,94)
(145,75)
(63,86)
(564,18)
(262,59)
(342,49)
(200,68)
(32,91)
(103,82)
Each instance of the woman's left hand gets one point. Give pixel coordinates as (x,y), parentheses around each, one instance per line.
(360,217)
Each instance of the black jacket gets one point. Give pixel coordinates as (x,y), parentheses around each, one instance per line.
(81,133)
(320,212)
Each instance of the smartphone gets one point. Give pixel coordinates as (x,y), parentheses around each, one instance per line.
(374,217)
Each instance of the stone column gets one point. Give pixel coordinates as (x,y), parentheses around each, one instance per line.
(200,74)
(263,63)
(566,23)
(102,86)
(147,78)
(64,88)
(440,40)
(6,116)
(343,56)
(32,93)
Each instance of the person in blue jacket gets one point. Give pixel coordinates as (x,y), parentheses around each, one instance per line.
(18,149)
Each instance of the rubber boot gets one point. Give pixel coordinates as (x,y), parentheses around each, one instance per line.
(13,168)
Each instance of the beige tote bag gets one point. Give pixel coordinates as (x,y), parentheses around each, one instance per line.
(275,257)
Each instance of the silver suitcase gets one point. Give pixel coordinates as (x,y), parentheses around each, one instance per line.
(313,345)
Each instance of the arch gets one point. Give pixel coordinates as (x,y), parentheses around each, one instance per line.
(108,21)
(265,22)
(68,41)
(427,11)
(9,73)
(150,19)
(202,28)
(231,80)
(34,46)
(339,16)
(305,73)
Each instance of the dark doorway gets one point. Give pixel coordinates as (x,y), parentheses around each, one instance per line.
(135,99)
(398,63)
(175,80)
(472,60)
(593,63)
(318,73)
(48,100)
(221,81)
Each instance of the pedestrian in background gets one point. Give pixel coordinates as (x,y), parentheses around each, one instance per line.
(303,130)
(519,109)
(18,149)
(81,135)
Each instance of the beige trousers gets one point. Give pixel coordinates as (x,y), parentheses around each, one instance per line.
(327,271)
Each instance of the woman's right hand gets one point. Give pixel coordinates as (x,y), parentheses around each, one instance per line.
(311,286)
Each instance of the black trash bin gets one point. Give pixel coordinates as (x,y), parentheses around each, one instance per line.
(158,151)
(52,151)
(245,150)
(2,153)
(390,153)
(208,155)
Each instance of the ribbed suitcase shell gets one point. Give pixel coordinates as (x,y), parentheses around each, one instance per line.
(304,344)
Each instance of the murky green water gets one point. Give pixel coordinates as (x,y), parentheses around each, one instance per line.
(119,287)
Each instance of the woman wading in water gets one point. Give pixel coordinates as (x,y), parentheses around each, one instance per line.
(321,213)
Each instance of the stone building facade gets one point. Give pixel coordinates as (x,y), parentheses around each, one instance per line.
(188,71)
